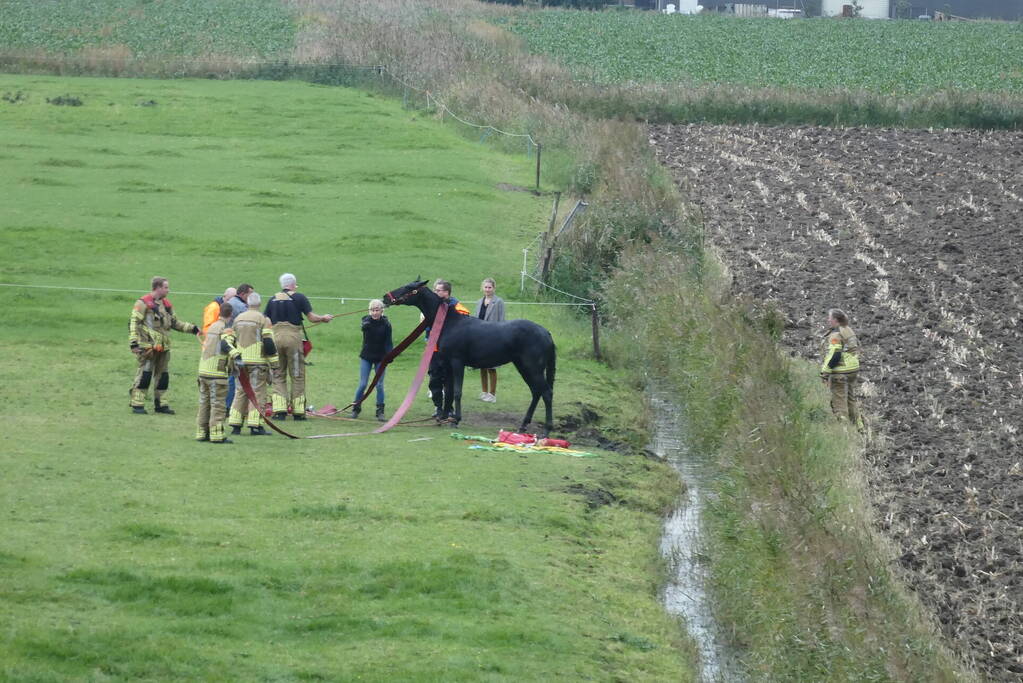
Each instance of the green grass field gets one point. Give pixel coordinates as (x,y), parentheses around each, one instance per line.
(881,57)
(129,551)
(245,28)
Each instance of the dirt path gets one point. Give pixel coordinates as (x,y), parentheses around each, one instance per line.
(919,236)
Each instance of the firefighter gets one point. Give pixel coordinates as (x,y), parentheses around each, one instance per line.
(219,354)
(152,319)
(285,311)
(255,340)
(841,366)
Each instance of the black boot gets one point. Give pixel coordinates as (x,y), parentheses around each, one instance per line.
(280,416)
(380,413)
(139,410)
(355,412)
(160,408)
(236,429)
(258,431)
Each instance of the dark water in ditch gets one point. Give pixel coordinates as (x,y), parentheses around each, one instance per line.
(685,594)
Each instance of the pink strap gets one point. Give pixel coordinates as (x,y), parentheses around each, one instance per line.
(424,366)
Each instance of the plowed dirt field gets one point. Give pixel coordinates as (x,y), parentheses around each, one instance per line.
(918,235)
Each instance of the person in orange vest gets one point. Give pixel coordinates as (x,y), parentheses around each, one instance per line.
(211,313)
(152,319)
(439,367)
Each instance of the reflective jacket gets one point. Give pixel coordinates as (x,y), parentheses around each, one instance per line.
(151,321)
(255,338)
(218,351)
(841,352)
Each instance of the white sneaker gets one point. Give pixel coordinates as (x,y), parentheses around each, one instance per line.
(483,395)
(490,398)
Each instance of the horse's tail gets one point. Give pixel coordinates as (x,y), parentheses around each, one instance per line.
(551,366)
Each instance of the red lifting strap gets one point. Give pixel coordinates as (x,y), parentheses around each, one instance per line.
(243,377)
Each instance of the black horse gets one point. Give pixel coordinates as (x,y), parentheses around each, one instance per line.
(468,341)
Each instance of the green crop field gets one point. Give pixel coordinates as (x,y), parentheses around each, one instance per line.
(883,57)
(130,551)
(189,28)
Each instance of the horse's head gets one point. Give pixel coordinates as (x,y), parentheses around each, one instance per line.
(404,295)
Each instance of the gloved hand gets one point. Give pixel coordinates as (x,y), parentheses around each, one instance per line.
(195,330)
(135,348)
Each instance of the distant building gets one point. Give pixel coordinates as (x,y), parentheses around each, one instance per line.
(869,9)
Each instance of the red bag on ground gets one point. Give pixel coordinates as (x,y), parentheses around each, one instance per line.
(557,443)
(516,439)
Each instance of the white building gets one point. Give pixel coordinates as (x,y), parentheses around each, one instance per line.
(871,9)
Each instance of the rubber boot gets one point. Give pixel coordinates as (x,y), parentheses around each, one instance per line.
(380,413)
(355,412)
(139,410)
(160,408)
(258,431)
(236,430)
(280,416)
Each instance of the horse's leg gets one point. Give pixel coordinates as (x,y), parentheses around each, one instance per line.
(449,388)
(548,400)
(457,378)
(533,377)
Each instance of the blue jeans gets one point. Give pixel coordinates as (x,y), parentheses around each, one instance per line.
(364,367)
(230,392)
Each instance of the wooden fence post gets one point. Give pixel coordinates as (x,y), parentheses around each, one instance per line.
(538,148)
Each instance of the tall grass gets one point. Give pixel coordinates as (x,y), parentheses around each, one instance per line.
(799,577)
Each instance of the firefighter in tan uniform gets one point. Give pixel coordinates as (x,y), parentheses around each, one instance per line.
(256,344)
(152,319)
(285,311)
(841,365)
(219,354)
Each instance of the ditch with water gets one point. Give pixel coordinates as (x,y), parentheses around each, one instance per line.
(686,593)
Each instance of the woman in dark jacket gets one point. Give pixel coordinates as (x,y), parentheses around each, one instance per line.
(376,343)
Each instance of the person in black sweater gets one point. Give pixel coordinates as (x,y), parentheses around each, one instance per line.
(376,343)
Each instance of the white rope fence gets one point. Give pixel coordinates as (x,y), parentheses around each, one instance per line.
(342,299)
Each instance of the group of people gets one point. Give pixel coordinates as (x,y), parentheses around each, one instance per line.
(235,334)
(269,347)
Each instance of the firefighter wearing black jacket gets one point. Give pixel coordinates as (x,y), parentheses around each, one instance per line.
(285,311)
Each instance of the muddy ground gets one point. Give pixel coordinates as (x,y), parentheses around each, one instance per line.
(918,235)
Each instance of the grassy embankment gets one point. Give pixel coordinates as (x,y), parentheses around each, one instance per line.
(801,585)
(130,551)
